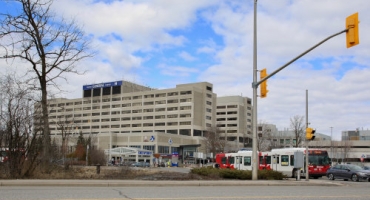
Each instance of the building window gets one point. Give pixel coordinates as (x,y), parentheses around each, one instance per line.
(147,117)
(221,107)
(160,117)
(172,101)
(126,118)
(185,115)
(136,118)
(161,102)
(148,96)
(185,92)
(137,111)
(163,149)
(148,103)
(172,116)
(126,111)
(185,123)
(136,104)
(209,103)
(171,108)
(232,106)
(161,95)
(172,94)
(96,92)
(185,107)
(106,91)
(232,119)
(160,109)
(172,123)
(116,89)
(115,113)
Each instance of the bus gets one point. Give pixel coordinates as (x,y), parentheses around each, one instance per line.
(241,160)
(281,160)
(318,162)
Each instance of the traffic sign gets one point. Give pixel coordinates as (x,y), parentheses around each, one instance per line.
(152,138)
(170,141)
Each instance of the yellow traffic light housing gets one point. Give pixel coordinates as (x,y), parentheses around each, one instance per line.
(352,34)
(263,86)
(310,133)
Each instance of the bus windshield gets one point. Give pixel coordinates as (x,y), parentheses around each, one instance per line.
(318,160)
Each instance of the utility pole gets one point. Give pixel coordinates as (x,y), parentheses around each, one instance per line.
(254,120)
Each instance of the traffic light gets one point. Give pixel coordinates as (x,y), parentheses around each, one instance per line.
(310,133)
(263,86)
(352,34)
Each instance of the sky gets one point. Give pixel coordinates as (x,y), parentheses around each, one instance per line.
(162,43)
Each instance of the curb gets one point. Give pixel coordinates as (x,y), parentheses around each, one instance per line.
(138,183)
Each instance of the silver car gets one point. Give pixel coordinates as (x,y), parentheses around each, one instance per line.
(348,171)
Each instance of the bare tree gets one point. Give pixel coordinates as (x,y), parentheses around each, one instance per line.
(298,127)
(263,137)
(214,141)
(49,45)
(20,142)
(65,127)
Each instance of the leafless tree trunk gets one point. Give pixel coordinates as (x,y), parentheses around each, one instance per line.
(65,128)
(298,126)
(50,46)
(214,142)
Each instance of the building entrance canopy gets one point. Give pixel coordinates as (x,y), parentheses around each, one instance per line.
(122,152)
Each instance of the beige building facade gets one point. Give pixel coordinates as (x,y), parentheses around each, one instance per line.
(124,114)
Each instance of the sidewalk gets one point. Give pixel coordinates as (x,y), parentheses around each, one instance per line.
(136,183)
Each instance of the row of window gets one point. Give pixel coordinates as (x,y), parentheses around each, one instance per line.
(171,116)
(147,96)
(185,123)
(228,119)
(231,106)
(128,111)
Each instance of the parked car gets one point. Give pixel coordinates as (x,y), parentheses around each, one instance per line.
(348,171)
(140,164)
(366,167)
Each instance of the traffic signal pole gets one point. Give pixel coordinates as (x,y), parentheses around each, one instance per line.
(256,83)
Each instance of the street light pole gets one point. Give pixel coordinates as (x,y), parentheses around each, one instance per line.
(254,120)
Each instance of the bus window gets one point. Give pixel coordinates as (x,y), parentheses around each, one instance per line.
(268,159)
(223,160)
(231,160)
(247,161)
(291,160)
(284,160)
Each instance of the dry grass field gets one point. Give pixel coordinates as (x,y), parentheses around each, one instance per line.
(111,172)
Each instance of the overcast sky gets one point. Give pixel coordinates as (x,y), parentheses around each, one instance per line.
(162,43)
